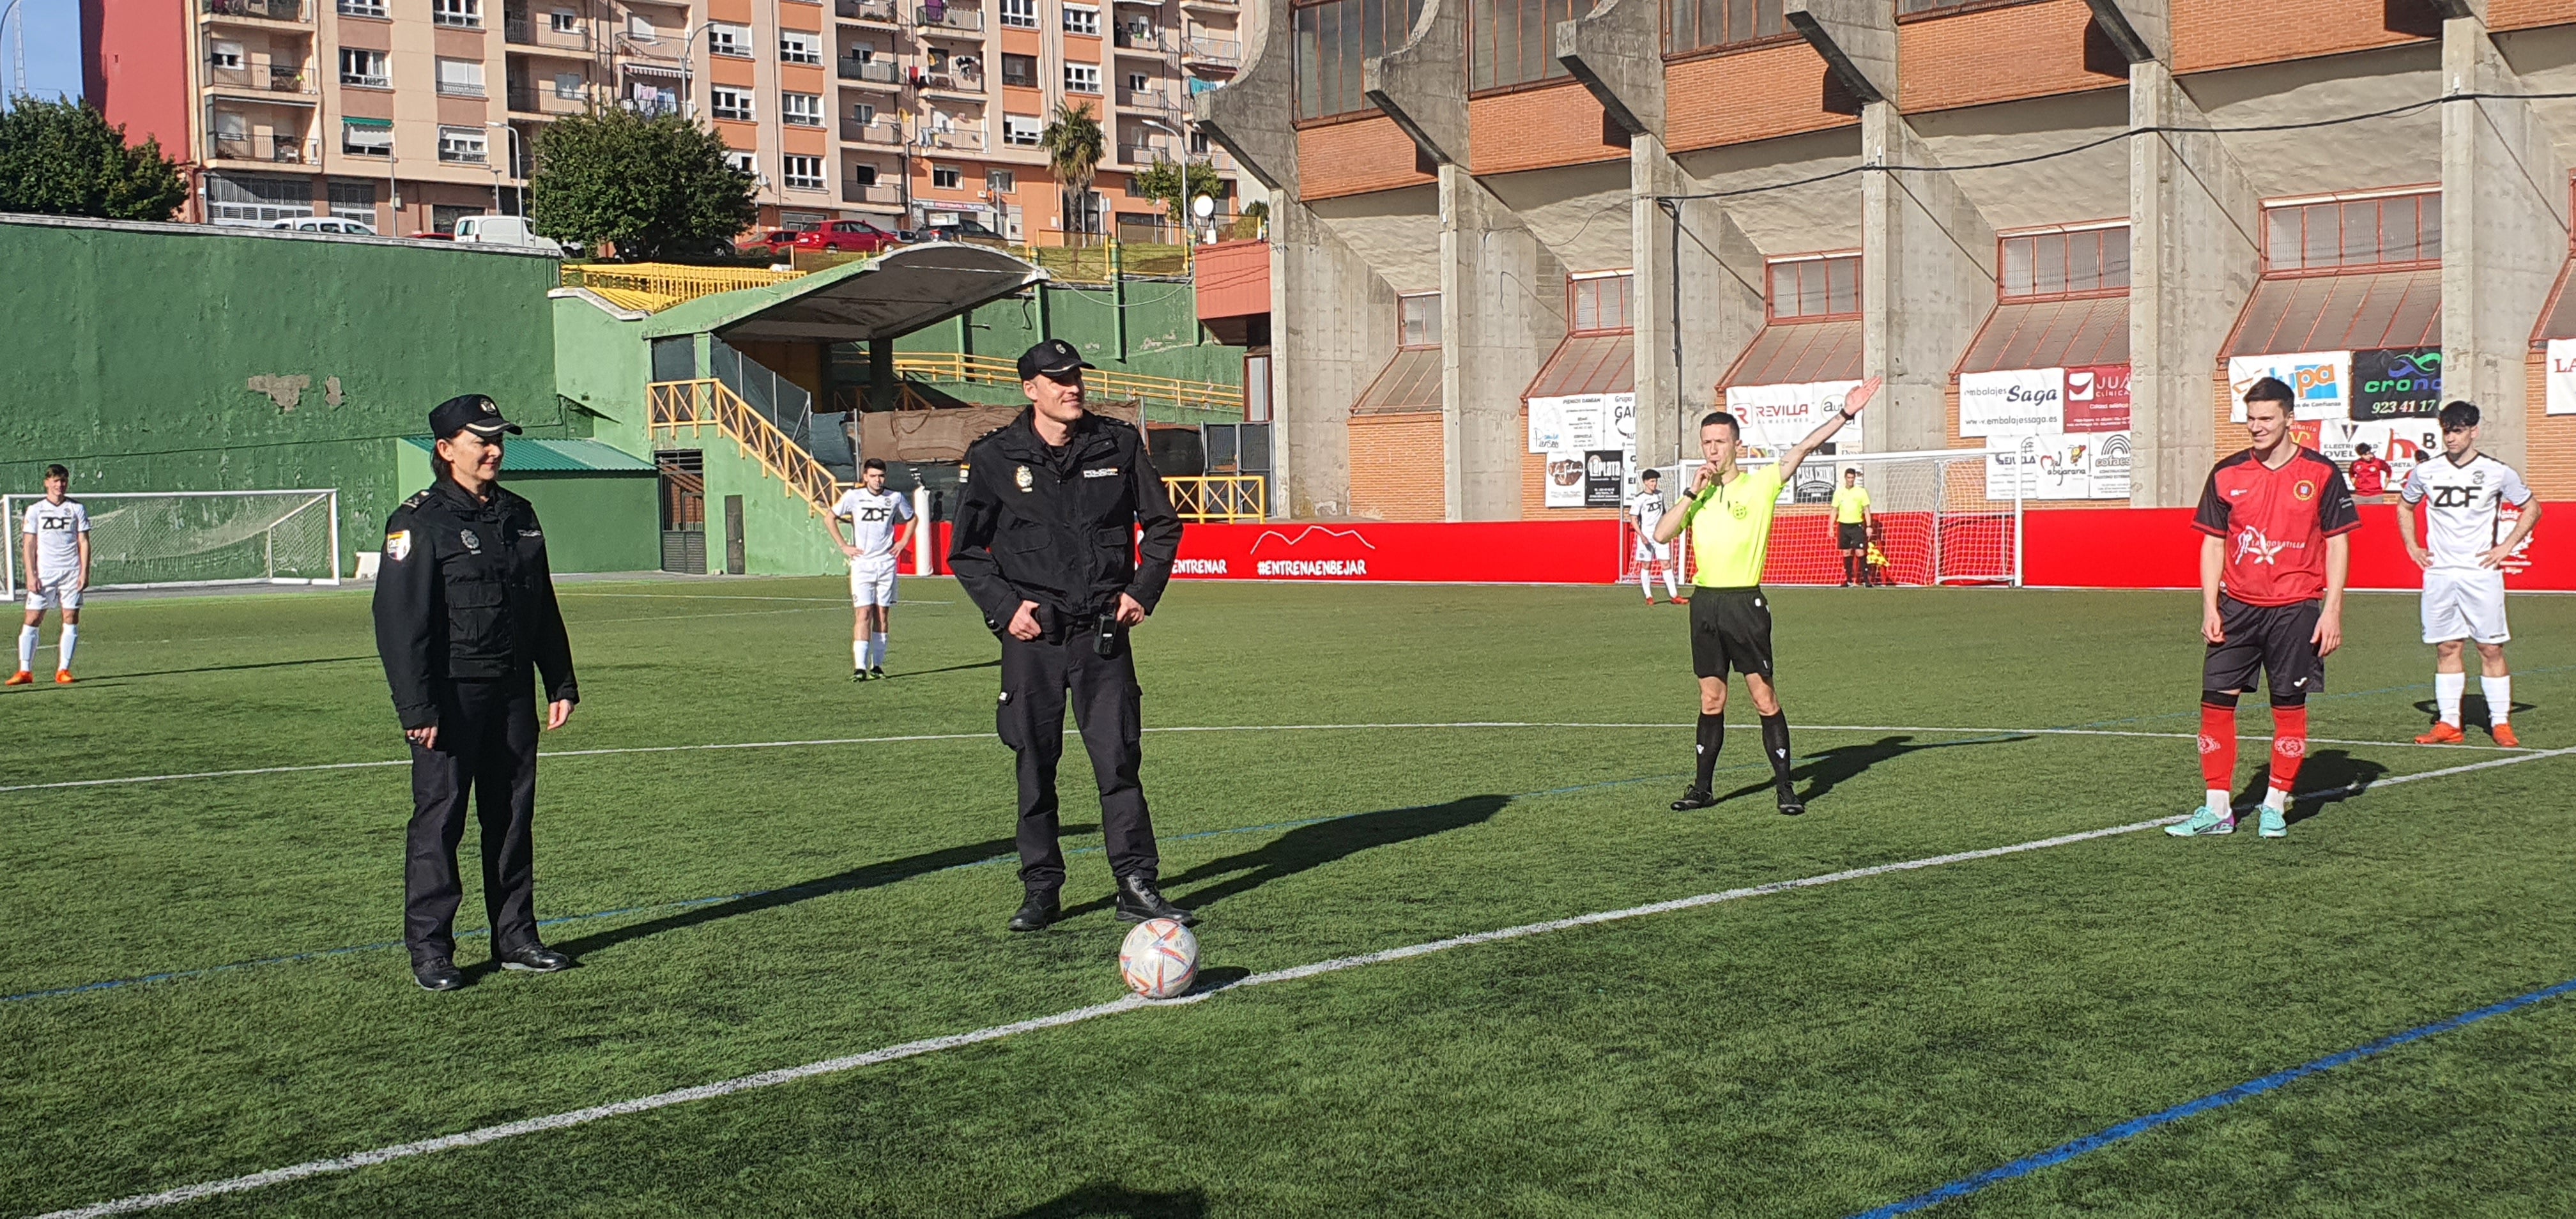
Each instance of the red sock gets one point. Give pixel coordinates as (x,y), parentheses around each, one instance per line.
(2217,748)
(2289,745)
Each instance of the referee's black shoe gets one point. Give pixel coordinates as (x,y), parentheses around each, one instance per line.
(1694,799)
(437,973)
(1139,900)
(1035,913)
(533,958)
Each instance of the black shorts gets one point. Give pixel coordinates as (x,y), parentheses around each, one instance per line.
(1730,628)
(1852,537)
(2277,640)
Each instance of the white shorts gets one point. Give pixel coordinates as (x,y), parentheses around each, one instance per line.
(62,596)
(2464,603)
(1651,551)
(871,582)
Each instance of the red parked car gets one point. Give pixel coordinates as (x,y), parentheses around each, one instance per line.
(848,235)
(769,243)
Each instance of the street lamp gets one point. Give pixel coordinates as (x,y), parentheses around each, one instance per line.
(688,62)
(515,159)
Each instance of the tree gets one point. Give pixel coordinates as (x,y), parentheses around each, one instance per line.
(1248,225)
(1072,142)
(65,159)
(1176,184)
(655,186)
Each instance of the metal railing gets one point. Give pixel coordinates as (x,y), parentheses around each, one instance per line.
(277,78)
(1142,154)
(696,405)
(873,71)
(1148,99)
(275,149)
(1138,40)
(534,99)
(519,31)
(671,281)
(955,140)
(1212,50)
(989,370)
(948,17)
(460,88)
(868,10)
(1220,497)
(264,10)
(855,132)
(953,81)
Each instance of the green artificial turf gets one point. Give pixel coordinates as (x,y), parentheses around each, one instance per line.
(1817,1052)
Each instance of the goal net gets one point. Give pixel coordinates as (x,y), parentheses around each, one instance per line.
(146,540)
(1930,522)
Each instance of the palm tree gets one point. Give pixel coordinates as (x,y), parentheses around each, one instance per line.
(1072,142)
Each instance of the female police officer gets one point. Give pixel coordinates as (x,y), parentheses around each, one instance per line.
(465,607)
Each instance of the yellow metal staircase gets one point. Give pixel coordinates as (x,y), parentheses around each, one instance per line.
(708,403)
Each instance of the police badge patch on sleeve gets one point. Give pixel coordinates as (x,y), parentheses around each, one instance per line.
(398,545)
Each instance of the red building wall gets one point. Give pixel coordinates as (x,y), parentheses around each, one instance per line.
(134,68)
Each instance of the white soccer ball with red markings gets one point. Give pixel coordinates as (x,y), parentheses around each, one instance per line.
(1160,959)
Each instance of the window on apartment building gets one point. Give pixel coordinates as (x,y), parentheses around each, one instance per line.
(363,8)
(640,28)
(797,46)
(1001,181)
(353,200)
(364,68)
(1082,78)
(801,172)
(1020,14)
(1691,25)
(1603,303)
(1021,129)
(730,104)
(460,77)
(863,113)
(946,177)
(464,145)
(800,109)
(863,174)
(1081,19)
(456,12)
(1332,39)
(1021,70)
(745,163)
(366,138)
(2092,260)
(226,55)
(2346,233)
(1137,82)
(569,86)
(564,21)
(251,199)
(443,216)
(1513,42)
(1815,288)
(1417,320)
(726,38)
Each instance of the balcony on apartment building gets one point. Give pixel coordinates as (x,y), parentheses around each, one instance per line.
(962,82)
(872,71)
(880,132)
(275,78)
(1213,52)
(871,192)
(270,148)
(1151,101)
(547,99)
(948,19)
(877,12)
(955,139)
(1144,152)
(518,31)
(258,10)
(1227,8)
(1142,39)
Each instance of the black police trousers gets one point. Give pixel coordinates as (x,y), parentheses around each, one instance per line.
(487,753)
(1035,678)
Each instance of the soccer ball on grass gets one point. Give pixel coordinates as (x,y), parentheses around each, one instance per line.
(1160,959)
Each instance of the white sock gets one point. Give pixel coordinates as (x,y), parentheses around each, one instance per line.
(2499,692)
(1645,581)
(2222,802)
(2447,688)
(858,653)
(1671,589)
(26,649)
(70,640)
(2276,800)
(876,650)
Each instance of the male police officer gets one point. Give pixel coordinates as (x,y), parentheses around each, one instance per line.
(465,607)
(1046,545)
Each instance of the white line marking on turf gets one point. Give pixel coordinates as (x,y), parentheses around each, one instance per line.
(932,1045)
(979,736)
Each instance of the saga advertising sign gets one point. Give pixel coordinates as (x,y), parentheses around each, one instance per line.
(2404,383)
(2317,381)
(2019,402)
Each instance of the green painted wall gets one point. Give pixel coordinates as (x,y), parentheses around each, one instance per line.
(602,365)
(130,352)
(594,522)
(780,535)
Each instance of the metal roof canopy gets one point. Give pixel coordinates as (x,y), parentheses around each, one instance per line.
(885,297)
(2359,311)
(2051,334)
(1795,352)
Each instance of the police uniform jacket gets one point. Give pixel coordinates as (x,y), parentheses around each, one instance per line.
(1058,526)
(464,594)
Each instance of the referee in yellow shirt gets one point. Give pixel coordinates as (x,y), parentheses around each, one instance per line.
(1728,514)
(1851,527)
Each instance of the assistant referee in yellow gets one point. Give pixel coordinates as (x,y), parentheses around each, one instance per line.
(1728,513)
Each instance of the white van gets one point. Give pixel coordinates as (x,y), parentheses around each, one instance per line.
(504,230)
(323,224)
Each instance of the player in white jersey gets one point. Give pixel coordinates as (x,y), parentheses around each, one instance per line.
(1647,510)
(881,525)
(2463,492)
(56,548)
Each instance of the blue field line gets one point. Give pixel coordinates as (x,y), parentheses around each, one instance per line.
(2134,1127)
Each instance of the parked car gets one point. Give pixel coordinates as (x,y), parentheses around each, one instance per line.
(962,230)
(323,224)
(504,230)
(770,243)
(857,236)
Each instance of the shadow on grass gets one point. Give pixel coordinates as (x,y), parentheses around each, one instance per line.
(2473,709)
(994,663)
(1822,772)
(1313,846)
(1100,1200)
(2329,776)
(265,664)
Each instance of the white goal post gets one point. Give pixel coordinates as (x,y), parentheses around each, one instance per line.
(156,539)
(1932,520)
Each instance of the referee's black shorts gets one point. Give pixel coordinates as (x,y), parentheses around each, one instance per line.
(1852,537)
(2278,641)
(1730,628)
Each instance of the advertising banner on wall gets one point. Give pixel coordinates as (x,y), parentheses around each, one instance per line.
(2401,443)
(2097,398)
(1605,478)
(2561,396)
(2317,380)
(2019,402)
(1564,478)
(1776,417)
(2061,466)
(1579,421)
(2398,383)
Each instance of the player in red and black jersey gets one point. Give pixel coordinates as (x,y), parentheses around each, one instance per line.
(2278,519)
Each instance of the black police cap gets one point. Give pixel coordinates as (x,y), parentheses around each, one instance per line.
(1052,358)
(469,412)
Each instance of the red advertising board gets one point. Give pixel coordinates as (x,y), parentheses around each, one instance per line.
(2097,398)
(2158,548)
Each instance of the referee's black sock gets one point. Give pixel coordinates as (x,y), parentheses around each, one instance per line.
(1775,743)
(1712,737)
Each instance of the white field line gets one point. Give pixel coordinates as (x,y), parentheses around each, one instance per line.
(932,1045)
(978,736)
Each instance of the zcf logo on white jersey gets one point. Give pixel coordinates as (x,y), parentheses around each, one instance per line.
(875,513)
(54,523)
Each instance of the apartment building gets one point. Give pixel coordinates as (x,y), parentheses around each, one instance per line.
(410,113)
(2123,210)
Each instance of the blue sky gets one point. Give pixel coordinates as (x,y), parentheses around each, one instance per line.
(53,47)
